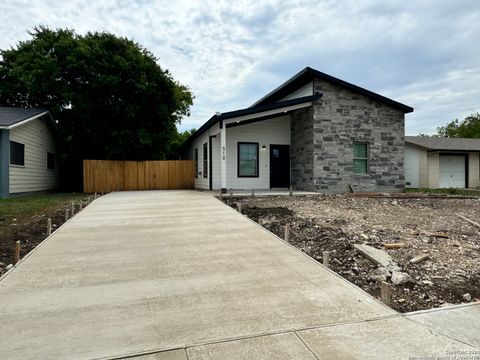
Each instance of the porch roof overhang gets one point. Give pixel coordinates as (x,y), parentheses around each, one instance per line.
(258,112)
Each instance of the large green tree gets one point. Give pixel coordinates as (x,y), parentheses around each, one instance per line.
(468,128)
(111,98)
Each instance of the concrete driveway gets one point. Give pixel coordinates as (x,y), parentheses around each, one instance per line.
(145,272)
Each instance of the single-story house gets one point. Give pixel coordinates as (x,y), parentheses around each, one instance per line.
(314,132)
(440,162)
(28,151)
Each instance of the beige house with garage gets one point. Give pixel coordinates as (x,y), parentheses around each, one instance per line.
(440,162)
(28,151)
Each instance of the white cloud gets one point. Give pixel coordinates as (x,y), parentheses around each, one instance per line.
(233,52)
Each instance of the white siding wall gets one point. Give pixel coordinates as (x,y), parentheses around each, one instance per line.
(415,166)
(433,170)
(200,181)
(275,131)
(34,176)
(306,90)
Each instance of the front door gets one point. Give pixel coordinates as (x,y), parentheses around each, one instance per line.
(279,166)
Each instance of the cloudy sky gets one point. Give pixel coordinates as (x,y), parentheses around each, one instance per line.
(425,54)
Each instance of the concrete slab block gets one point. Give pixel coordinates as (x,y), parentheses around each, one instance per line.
(377,256)
(148,271)
(459,322)
(395,338)
(273,347)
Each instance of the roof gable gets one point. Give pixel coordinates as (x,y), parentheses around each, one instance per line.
(308,74)
(444,143)
(10,116)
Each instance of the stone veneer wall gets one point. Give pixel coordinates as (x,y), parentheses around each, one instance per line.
(301,149)
(340,118)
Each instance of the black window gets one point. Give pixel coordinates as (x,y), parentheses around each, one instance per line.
(247,159)
(196,163)
(360,158)
(205,161)
(17,153)
(50,161)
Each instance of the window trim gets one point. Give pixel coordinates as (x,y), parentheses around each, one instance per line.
(238,159)
(10,156)
(196,163)
(205,160)
(54,161)
(367,159)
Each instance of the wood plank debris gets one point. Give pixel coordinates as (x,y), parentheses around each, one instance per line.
(393,245)
(468,220)
(440,235)
(419,258)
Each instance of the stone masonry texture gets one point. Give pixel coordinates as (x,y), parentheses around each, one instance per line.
(338,120)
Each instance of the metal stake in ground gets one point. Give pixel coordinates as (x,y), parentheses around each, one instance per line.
(49,227)
(239,205)
(386,292)
(66,214)
(80,205)
(287,232)
(17,252)
(326,258)
(72,208)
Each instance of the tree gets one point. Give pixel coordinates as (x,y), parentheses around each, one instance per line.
(110,97)
(468,128)
(176,143)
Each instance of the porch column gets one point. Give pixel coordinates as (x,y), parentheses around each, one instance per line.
(223,156)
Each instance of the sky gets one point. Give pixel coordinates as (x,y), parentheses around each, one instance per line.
(424,54)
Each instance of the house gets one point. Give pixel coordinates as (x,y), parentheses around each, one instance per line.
(313,133)
(440,162)
(28,155)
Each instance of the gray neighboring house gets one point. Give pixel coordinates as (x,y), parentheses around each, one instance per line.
(28,151)
(440,162)
(314,132)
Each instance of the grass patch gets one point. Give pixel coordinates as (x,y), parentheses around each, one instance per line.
(22,208)
(449,191)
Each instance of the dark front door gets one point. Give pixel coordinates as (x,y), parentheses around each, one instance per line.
(279,166)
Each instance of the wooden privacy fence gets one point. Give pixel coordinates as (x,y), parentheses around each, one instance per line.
(116,175)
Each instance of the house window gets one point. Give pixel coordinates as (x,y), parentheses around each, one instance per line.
(50,161)
(205,161)
(17,153)
(247,159)
(196,163)
(360,158)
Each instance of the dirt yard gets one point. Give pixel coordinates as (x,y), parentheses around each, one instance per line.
(24,219)
(450,275)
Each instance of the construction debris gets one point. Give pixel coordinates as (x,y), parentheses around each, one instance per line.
(394,246)
(337,223)
(419,258)
(468,220)
(440,235)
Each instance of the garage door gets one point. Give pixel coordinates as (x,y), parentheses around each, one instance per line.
(452,171)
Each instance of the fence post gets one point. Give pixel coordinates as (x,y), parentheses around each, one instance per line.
(17,252)
(287,232)
(66,214)
(49,227)
(326,258)
(386,292)
(72,211)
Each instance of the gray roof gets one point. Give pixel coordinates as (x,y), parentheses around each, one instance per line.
(444,143)
(12,115)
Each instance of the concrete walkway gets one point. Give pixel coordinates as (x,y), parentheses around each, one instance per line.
(171,274)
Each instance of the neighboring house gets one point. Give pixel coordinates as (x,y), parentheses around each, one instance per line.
(440,162)
(28,152)
(314,133)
